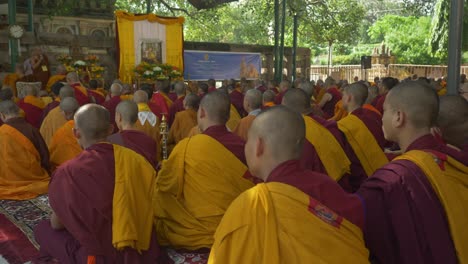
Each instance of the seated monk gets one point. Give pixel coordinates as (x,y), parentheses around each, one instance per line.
(339,112)
(252,105)
(268,99)
(178,105)
(81,93)
(55,118)
(63,146)
(184,121)
(24,172)
(32,105)
(284,86)
(324,147)
(415,209)
(363,131)
(234,116)
(384,87)
(154,108)
(98,95)
(330,98)
(90,197)
(160,97)
(212,166)
(296,215)
(147,122)
(453,121)
(372,92)
(56,99)
(237,98)
(111,104)
(61,76)
(126,115)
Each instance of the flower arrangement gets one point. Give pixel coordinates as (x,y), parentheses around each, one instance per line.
(91,59)
(79,64)
(96,71)
(64,59)
(157,71)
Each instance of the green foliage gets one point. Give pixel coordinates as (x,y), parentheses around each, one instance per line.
(407,38)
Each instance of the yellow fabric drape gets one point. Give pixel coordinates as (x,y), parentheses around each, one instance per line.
(33,100)
(63,146)
(143,107)
(339,112)
(234,118)
(331,154)
(276,223)
(194,190)
(451,186)
(174,41)
(363,143)
(53,79)
(22,176)
(132,211)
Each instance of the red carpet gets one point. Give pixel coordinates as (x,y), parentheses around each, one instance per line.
(15,247)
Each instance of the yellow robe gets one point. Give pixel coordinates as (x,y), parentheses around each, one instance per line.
(53,79)
(21,174)
(234,118)
(340,112)
(363,143)
(53,121)
(451,187)
(273,223)
(63,146)
(184,121)
(242,129)
(150,130)
(193,191)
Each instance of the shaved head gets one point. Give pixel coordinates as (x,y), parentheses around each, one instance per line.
(418,100)
(72,77)
(140,96)
(93,121)
(282,131)
(61,69)
(254,99)
(217,106)
(179,88)
(269,96)
(6,94)
(358,91)
(128,110)
(30,89)
(69,105)
(116,89)
(307,87)
(453,119)
(191,101)
(296,100)
(9,108)
(372,92)
(66,91)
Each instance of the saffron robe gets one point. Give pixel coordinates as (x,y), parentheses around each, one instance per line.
(81,94)
(363,131)
(149,123)
(177,106)
(339,112)
(242,129)
(111,105)
(193,191)
(183,123)
(268,105)
(289,219)
(32,107)
(372,108)
(402,206)
(25,161)
(49,108)
(54,79)
(329,107)
(139,142)
(51,123)
(91,195)
(234,118)
(237,99)
(63,146)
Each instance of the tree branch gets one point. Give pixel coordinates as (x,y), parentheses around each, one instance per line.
(173,9)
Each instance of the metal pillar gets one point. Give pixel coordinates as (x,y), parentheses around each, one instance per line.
(294,51)
(277,52)
(281,55)
(30,16)
(13,42)
(455,44)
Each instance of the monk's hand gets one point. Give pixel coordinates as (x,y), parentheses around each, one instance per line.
(55,222)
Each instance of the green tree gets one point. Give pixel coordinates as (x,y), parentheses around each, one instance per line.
(407,37)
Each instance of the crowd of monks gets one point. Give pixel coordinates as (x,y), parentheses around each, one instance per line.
(301,172)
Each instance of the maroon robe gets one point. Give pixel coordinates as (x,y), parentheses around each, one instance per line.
(111,105)
(155,109)
(173,96)
(211,89)
(34,136)
(373,122)
(379,101)
(81,194)
(33,114)
(329,107)
(261,88)
(405,220)
(237,99)
(138,142)
(229,140)
(79,96)
(48,108)
(279,97)
(176,107)
(322,188)
(98,98)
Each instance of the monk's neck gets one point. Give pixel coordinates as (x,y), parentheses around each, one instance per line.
(406,139)
(90,143)
(127,127)
(351,108)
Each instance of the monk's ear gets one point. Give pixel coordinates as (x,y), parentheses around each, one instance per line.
(259,147)
(399,118)
(202,112)
(110,130)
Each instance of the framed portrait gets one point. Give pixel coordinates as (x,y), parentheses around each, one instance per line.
(151,50)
